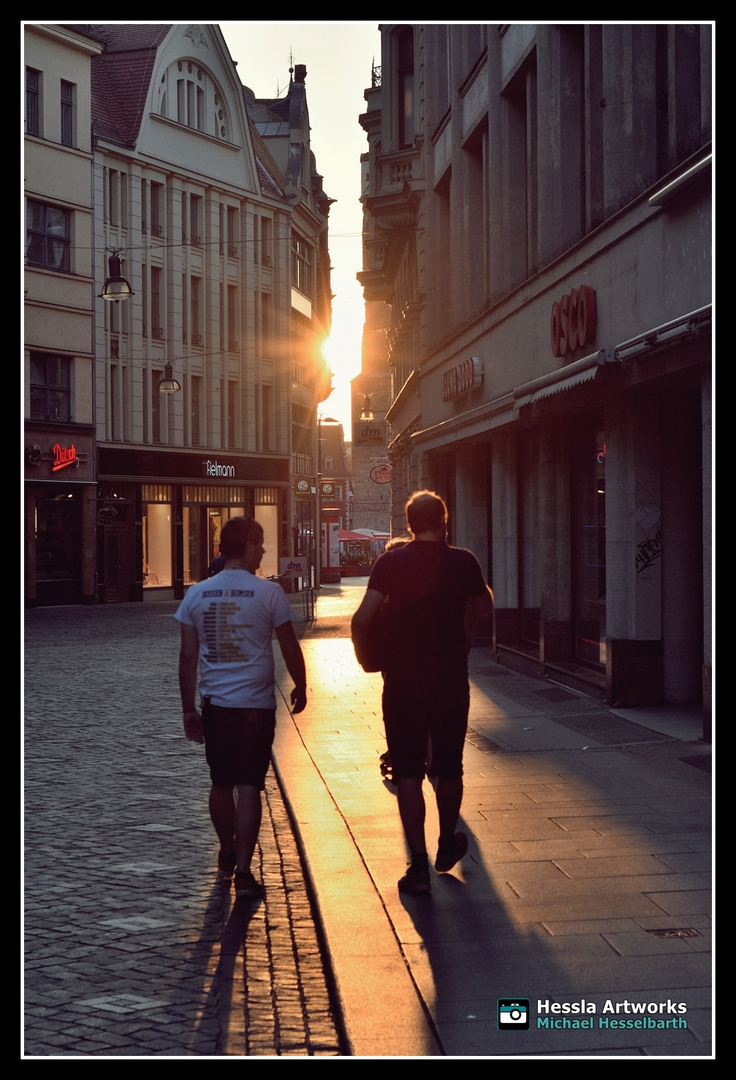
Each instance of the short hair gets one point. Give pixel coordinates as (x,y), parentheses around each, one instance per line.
(396,542)
(426,512)
(236,533)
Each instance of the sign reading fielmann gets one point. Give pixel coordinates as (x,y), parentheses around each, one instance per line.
(213,468)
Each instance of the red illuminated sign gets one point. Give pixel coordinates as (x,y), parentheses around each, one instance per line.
(573,323)
(63,456)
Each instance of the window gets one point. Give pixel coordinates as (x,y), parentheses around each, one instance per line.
(301,264)
(194,293)
(232,318)
(232,231)
(266,241)
(522,220)
(33,102)
(302,438)
(232,395)
(157,227)
(406,88)
(67,113)
(190,98)
(195,217)
(188,95)
(113,197)
(266,349)
(144,206)
(157,330)
(51,393)
(195,406)
(266,418)
(48,236)
(156,395)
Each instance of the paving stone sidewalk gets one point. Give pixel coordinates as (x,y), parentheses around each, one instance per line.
(132,948)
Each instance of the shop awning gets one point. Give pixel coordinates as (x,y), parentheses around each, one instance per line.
(346,534)
(564,378)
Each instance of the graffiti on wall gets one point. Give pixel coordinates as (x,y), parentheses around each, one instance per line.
(648,551)
(648,521)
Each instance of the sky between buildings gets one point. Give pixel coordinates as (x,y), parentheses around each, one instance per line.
(338,57)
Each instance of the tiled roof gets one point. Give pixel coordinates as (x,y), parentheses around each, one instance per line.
(123,37)
(278,106)
(120,80)
(121,76)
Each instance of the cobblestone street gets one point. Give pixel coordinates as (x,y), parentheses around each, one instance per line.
(131,945)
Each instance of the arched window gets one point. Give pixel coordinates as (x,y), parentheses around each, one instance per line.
(189,96)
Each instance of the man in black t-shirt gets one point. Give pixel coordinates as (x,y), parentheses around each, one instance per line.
(428,588)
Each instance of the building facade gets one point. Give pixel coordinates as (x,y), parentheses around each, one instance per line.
(539,229)
(335,497)
(58,415)
(226,255)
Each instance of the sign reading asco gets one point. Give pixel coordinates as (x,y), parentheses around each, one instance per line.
(573,321)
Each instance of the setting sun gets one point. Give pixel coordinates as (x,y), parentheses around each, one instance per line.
(342,349)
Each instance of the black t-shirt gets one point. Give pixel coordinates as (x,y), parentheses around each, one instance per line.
(427,584)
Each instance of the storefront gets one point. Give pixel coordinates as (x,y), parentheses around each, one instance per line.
(59,506)
(160,516)
(583,496)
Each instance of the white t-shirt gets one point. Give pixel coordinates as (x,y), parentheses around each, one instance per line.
(235,614)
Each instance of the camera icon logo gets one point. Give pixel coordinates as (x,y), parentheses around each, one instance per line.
(513,1014)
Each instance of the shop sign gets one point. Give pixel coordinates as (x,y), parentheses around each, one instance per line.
(213,468)
(573,322)
(369,431)
(64,456)
(381,474)
(462,379)
(296,565)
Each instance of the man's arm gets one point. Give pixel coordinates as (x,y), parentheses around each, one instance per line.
(480,605)
(477,610)
(291,651)
(188,663)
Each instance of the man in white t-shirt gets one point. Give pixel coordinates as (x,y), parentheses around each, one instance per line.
(227,627)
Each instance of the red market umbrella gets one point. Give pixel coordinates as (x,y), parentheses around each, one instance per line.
(346,534)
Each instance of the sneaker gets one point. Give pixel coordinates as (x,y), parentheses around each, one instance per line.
(415,881)
(225,867)
(450,852)
(246,886)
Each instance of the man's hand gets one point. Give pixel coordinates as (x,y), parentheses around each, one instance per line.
(294,660)
(193,726)
(298,699)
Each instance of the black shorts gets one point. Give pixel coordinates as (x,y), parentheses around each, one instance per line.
(416,707)
(238,744)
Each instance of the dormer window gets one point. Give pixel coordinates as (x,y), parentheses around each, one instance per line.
(188,95)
